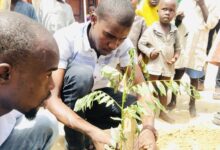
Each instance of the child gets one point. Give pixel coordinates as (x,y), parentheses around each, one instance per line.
(161,44)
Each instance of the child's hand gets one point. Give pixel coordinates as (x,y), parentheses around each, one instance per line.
(154,54)
(172,61)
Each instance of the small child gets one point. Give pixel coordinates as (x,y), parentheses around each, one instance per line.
(160,43)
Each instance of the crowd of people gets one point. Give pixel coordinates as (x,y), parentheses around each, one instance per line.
(50,60)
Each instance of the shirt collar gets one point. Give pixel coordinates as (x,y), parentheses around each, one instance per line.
(157,28)
(86,44)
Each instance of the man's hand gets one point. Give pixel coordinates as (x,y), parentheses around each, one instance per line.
(101,138)
(154,54)
(145,141)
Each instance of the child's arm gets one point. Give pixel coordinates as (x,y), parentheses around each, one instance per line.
(145,45)
(177,49)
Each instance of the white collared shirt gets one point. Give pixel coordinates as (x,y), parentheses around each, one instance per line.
(74,46)
(7,124)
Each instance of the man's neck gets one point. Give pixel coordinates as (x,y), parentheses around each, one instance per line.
(91,41)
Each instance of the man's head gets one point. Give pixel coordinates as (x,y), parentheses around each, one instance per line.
(153,3)
(167,10)
(111,24)
(28,55)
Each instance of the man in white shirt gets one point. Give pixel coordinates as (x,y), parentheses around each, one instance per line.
(84,50)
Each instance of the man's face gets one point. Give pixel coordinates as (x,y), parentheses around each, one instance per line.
(108,35)
(32,86)
(153,3)
(167,11)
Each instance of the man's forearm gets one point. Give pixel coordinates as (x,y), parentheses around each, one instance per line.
(68,117)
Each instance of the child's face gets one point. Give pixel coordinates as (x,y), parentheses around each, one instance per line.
(166,11)
(153,3)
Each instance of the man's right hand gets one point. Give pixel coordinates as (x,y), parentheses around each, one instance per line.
(101,138)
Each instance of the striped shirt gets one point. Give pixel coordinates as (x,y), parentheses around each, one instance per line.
(74,48)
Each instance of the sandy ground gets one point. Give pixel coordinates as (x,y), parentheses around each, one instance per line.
(186,133)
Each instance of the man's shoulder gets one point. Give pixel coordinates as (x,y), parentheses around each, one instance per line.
(73,30)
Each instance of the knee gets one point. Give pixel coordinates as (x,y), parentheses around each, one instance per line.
(79,79)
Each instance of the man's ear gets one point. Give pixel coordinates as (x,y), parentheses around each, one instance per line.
(5,72)
(93,18)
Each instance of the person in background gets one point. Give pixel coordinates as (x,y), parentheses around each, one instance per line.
(55,14)
(24,8)
(148,10)
(214,58)
(160,42)
(200,16)
(87,48)
(91,11)
(212,35)
(137,29)
(181,62)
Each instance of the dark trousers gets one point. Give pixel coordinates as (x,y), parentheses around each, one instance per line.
(78,82)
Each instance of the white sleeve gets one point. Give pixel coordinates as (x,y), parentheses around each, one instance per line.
(64,48)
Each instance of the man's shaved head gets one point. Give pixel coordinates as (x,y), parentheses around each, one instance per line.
(120,10)
(21,36)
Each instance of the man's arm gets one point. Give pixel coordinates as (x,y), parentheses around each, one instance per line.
(68,117)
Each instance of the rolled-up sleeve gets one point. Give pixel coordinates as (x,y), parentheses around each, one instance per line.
(64,49)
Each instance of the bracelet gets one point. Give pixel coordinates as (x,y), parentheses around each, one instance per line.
(152,129)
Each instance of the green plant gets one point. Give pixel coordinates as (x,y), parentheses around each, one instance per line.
(135,111)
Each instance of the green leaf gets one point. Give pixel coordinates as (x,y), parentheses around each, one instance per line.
(152,88)
(160,86)
(111,102)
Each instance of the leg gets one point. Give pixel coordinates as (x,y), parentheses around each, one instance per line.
(216,94)
(38,134)
(78,82)
(192,108)
(178,75)
(163,100)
